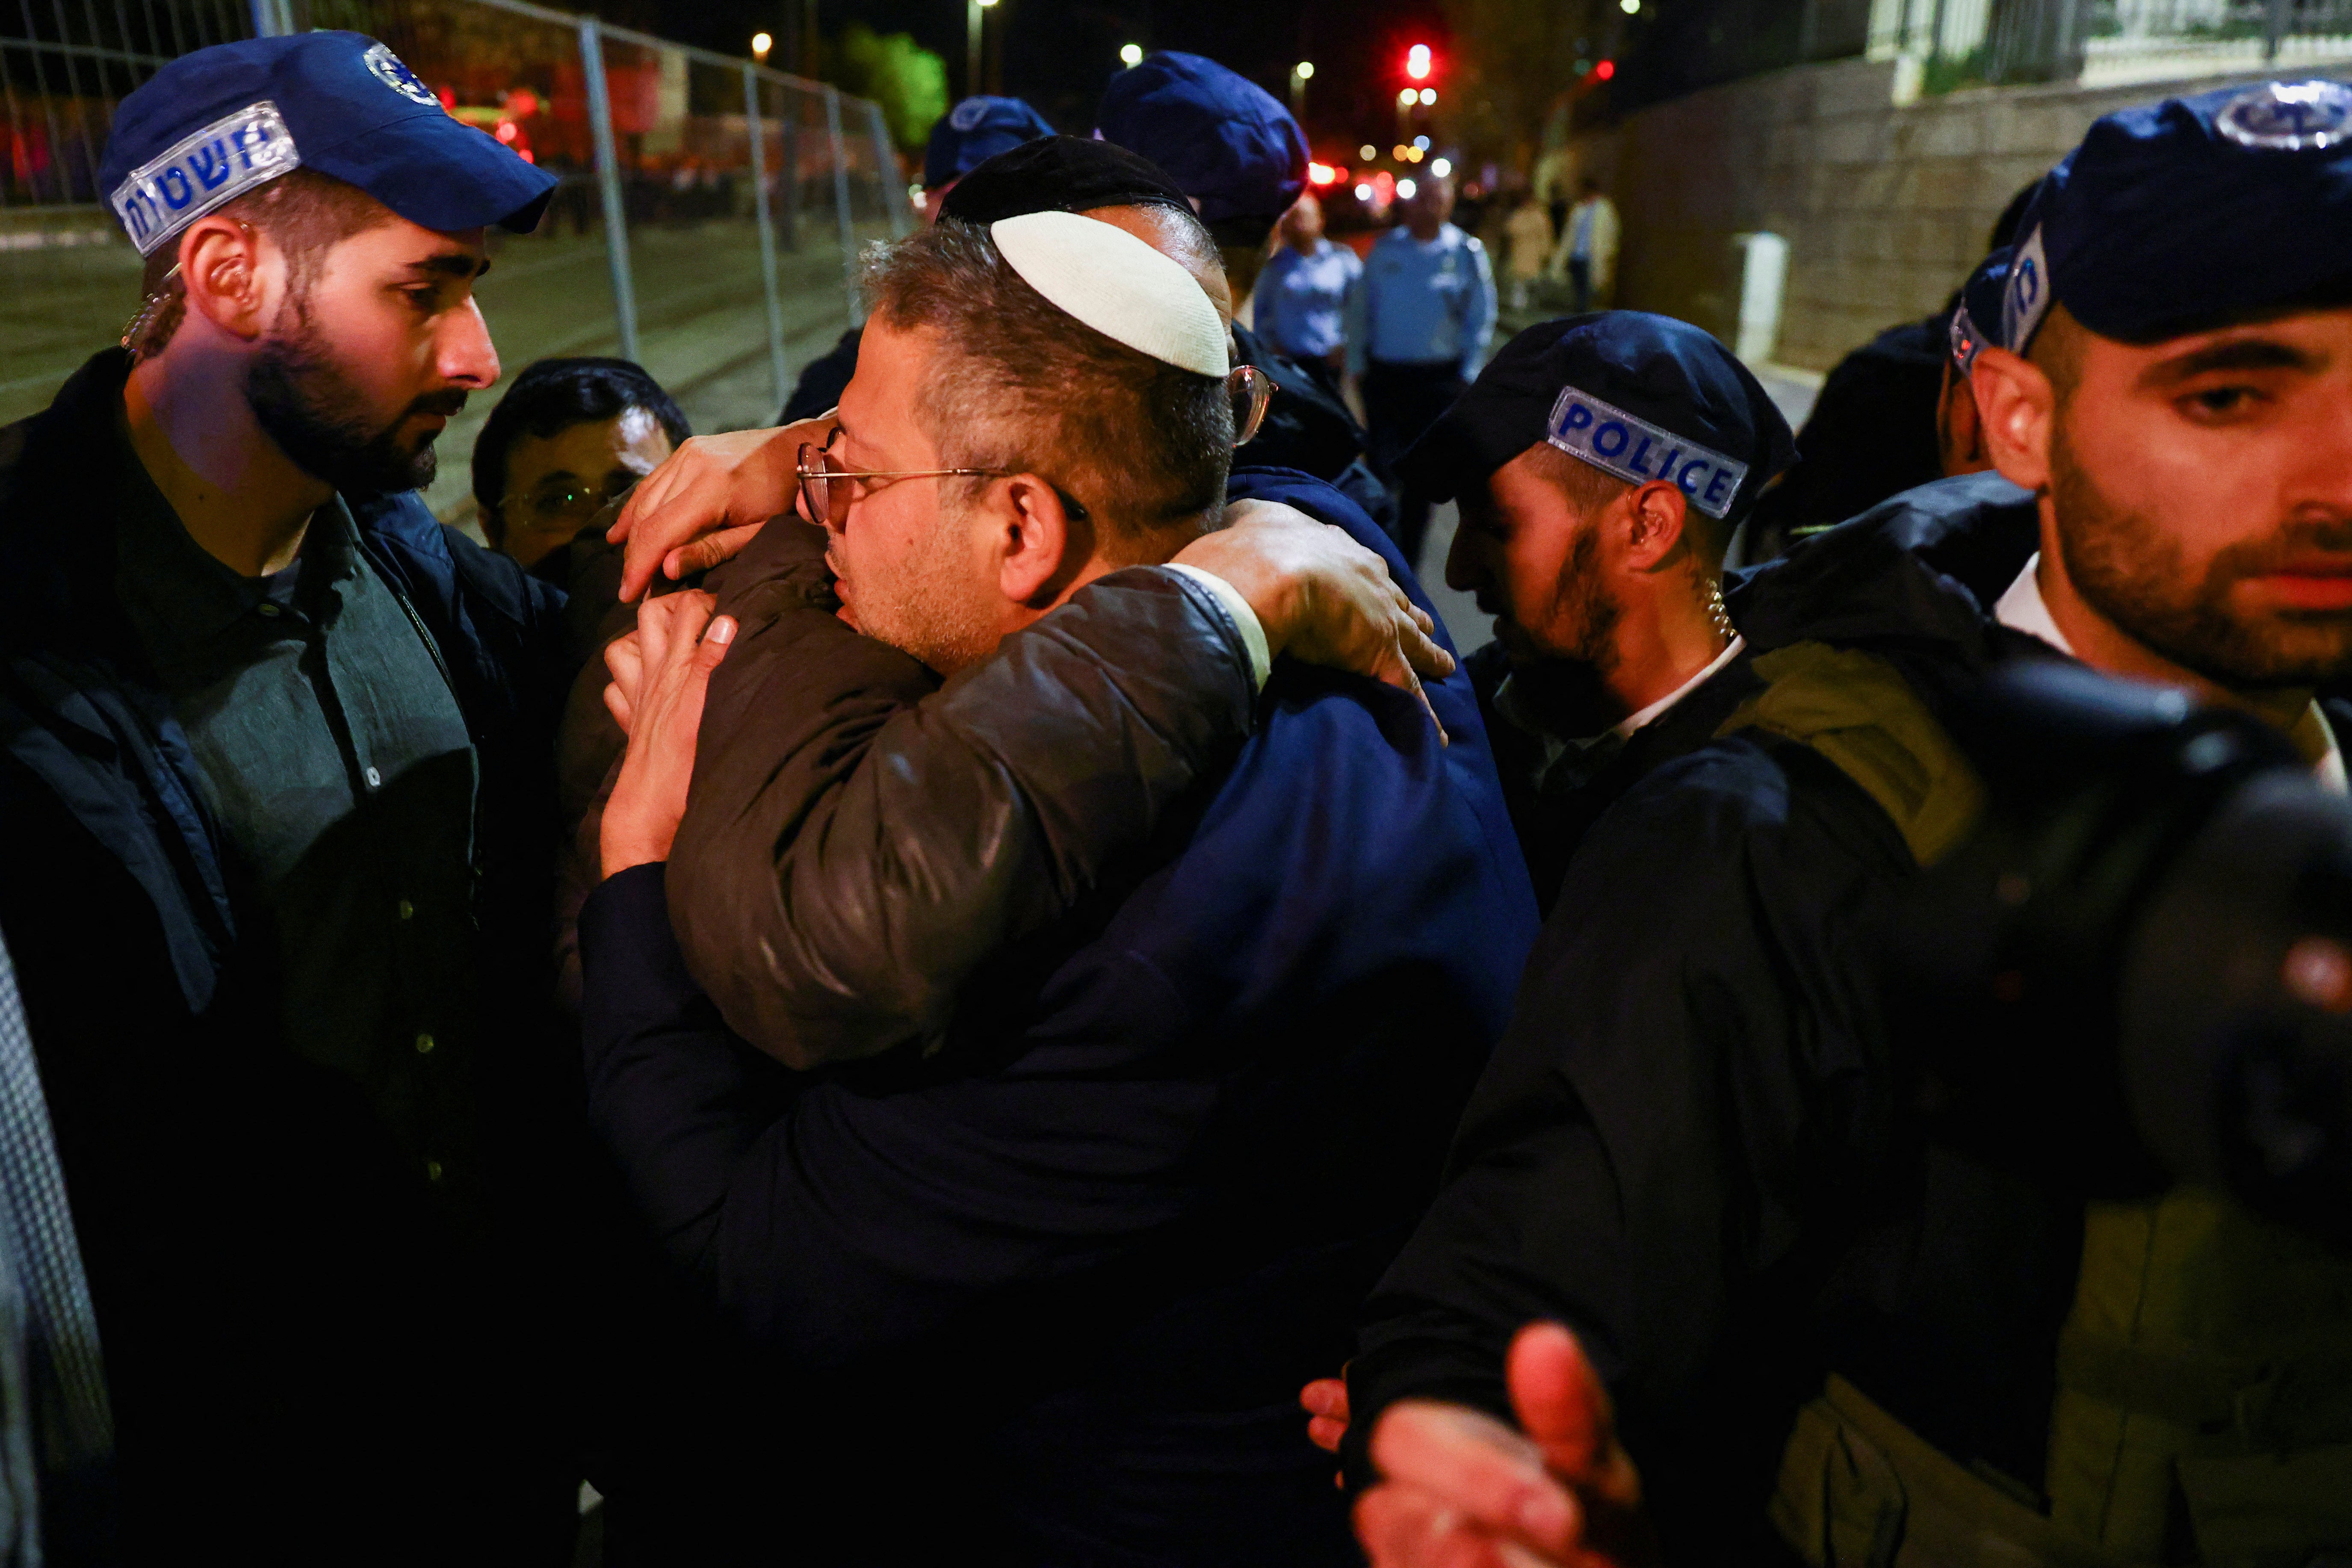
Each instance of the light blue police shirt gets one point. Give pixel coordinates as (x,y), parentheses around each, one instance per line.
(1302,299)
(1419,302)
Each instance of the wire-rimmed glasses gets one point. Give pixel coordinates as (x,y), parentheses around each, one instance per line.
(818,474)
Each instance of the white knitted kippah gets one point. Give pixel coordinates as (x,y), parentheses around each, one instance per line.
(1117,285)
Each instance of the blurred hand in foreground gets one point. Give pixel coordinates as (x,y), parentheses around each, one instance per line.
(1461,1490)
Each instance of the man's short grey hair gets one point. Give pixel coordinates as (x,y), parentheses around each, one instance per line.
(1021,386)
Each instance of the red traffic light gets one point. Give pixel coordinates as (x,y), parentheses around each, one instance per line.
(1605,69)
(1417,64)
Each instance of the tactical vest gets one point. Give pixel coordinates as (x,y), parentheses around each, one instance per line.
(2204,1405)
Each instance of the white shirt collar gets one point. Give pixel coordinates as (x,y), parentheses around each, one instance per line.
(2024,609)
(1632,722)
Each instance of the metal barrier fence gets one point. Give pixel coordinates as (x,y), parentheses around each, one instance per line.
(2104,43)
(706,224)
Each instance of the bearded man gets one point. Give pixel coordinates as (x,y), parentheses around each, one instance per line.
(1829,1322)
(277,780)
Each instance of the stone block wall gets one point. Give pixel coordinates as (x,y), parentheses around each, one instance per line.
(1885,206)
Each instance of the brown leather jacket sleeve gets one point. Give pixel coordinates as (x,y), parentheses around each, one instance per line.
(859,838)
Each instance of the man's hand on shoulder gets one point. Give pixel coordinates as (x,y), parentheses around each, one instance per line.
(704,504)
(1320,596)
(1458,1486)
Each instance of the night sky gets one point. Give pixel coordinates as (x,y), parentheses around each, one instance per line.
(1058,53)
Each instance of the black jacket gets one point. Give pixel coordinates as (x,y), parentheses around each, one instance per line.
(291,1336)
(1689,1146)
(1168,1140)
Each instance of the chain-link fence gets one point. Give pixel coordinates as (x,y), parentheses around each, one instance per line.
(707,216)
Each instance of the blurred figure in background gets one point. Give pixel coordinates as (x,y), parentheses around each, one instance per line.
(1587,257)
(1302,295)
(968,135)
(1417,324)
(569,436)
(1528,230)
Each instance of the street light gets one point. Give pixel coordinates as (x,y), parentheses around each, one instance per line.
(1407,99)
(1368,152)
(1428,95)
(1405,189)
(1304,70)
(760,43)
(1630,7)
(974,53)
(1130,54)
(1442,167)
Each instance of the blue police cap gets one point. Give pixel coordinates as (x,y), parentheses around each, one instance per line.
(975,131)
(1979,304)
(1640,396)
(1225,140)
(212,125)
(2174,216)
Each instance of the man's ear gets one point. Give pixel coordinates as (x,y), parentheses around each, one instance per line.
(1654,518)
(1041,544)
(227,283)
(2017,413)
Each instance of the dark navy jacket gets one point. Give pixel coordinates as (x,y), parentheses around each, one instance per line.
(287,1330)
(1692,1144)
(1092,1249)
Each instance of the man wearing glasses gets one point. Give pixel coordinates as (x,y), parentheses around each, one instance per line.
(1184,1094)
(569,439)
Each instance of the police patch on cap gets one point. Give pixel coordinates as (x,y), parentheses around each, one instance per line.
(2026,299)
(388,68)
(1616,442)
(201,171)
(2288,117)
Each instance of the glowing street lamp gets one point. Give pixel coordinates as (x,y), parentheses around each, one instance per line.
(1428,95)
(1304,70)
(1130,54)
(1407,99)
(760,43)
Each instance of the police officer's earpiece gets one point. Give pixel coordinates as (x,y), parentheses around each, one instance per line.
(1251,389)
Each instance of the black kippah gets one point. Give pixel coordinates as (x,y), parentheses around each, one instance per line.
(1059,173)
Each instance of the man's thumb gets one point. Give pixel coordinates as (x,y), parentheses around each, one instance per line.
(713,646)
(1559,1398)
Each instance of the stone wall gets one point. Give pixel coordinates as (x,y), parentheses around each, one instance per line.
(1884,207)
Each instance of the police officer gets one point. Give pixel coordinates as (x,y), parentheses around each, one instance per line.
(1694,1147)
(966,136)
(1419,321)
(276,787)
(1242,160)
(1600,462)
